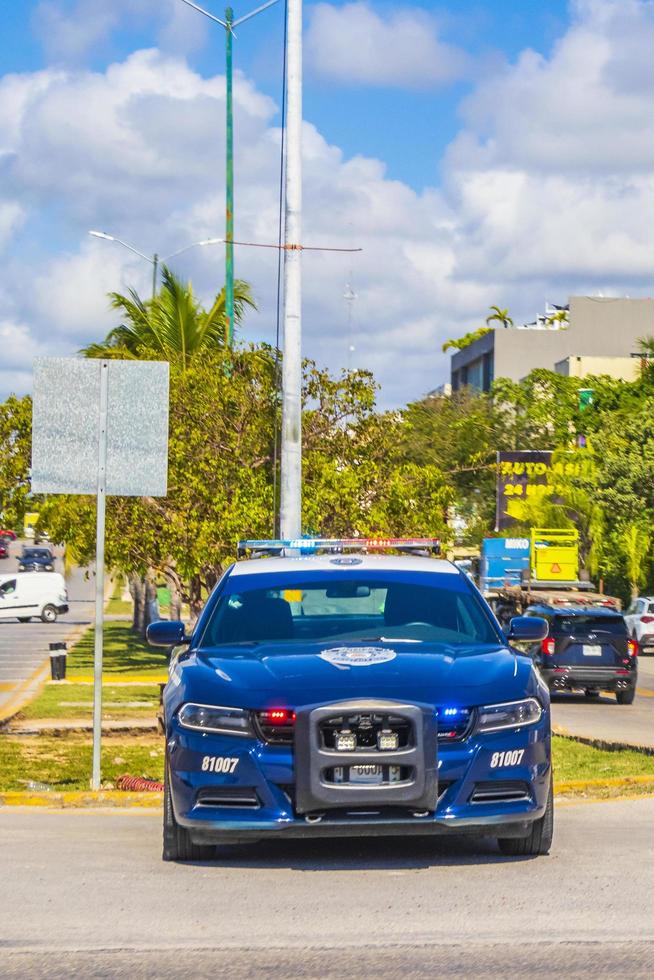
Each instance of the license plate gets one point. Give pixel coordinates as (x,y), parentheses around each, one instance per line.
(366,774)
(592,650)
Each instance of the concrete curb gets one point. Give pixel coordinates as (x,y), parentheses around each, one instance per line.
(80,799)
(605,744)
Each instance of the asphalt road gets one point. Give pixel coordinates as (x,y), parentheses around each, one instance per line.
(85,893)
(24,646)
(603,718)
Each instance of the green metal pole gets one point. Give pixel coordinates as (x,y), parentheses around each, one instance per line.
(229,187)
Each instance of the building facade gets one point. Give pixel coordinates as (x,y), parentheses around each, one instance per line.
(600,329)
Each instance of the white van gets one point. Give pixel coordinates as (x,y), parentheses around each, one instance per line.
(29,594)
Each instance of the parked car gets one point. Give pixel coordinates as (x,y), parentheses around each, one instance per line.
(5,533)
(35,560)
(587,649)
(4,547)
(349,696)
(639,618)
(33,594)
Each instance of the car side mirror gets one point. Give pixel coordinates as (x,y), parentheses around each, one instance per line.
(166,633)
(524,628)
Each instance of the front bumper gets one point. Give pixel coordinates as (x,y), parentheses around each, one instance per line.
(477,793)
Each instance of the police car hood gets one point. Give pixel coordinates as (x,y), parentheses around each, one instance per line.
(265,674)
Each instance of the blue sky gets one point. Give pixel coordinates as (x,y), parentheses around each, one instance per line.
(384,122)
(469,148)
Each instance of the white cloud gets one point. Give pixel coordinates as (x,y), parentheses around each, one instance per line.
(71,30)
(547,191)
(353,44)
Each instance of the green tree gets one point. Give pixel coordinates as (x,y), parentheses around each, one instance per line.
(15,456)
(469,338)
(646,346)
(220,482)
(173,326)
(500,316)
(636,540)
(459,435)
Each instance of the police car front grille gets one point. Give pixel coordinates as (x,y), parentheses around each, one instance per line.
(452,727)
(228,796)
(501,792)
(272,734)
(454,724)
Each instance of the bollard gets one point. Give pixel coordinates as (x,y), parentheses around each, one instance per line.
(58,661)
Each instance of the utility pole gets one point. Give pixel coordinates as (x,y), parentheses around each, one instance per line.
(229,24)
(229,180)
(291,448)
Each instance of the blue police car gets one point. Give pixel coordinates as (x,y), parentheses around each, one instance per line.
(335,691)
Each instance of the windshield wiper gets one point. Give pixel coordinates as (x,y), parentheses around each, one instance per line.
(387,639)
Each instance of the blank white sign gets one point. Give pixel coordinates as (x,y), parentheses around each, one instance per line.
(65,426)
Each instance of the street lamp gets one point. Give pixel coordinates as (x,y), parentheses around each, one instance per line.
(154,259)
(229,24)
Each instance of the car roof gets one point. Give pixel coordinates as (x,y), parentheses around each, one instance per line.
(576,610)
(343,563)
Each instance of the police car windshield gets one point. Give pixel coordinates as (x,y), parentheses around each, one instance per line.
(348,609)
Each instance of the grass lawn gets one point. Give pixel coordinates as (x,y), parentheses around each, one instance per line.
(65,762)
(126,656)
(574,760)
(63,700)
(124,653)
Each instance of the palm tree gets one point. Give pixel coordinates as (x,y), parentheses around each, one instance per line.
(173,324)
(502,316)
(646,347)
(636,544)
(561,316)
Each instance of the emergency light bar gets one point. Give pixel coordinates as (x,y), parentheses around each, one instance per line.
(311,546)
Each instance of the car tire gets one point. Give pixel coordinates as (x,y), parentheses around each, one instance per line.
(24,619)
(626,697)
(539,839)
(49,614)
(177,843)
(591,694)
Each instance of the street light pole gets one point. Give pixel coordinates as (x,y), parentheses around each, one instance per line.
(229,24)
(291,447)
(154,259)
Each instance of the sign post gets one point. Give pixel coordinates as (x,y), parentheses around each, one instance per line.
(101,499)
(100,427)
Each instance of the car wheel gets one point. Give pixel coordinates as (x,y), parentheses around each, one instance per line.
(626,697)
(177,843)
(591,694)
(24,619)
(539,839)
(49,614)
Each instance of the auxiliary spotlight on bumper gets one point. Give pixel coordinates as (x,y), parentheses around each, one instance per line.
(388,741)
(345,741)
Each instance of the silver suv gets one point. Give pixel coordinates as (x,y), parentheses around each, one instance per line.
(640,622)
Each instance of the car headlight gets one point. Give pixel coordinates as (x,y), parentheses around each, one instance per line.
(212,718)
(513,714)
(49,568)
